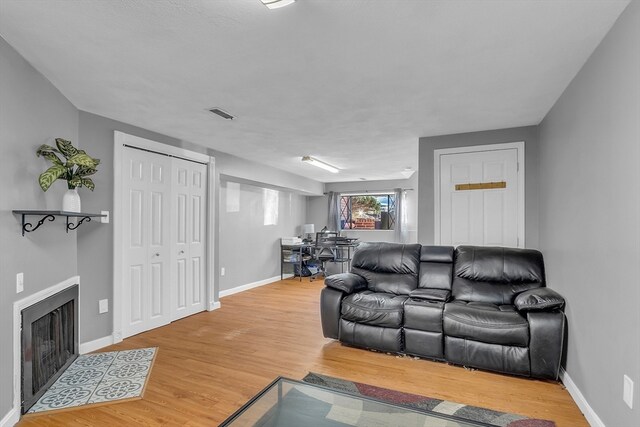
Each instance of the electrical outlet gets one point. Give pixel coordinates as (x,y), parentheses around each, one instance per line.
(627,391)
(222,271)
(19,282)
(103,306)
(104,219)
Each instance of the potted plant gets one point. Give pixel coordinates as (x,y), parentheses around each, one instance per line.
(69,164)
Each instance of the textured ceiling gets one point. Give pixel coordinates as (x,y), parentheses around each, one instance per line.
(354,83)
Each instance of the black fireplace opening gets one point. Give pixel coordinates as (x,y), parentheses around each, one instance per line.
(49,342)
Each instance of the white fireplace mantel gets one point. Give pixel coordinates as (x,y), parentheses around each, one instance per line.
(14,415)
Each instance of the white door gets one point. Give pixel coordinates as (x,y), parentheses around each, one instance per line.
(188,236)
(480,201)
(146,257)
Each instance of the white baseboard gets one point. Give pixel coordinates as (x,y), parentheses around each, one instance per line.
(11,418)
(592,418)
(248,286)
(88,347)
(213,305)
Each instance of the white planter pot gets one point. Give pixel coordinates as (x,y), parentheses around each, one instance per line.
(71,201)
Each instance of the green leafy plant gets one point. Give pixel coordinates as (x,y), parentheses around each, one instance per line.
(69,163)
(366,203)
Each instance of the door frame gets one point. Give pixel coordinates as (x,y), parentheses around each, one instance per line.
(120,139)
(437,155)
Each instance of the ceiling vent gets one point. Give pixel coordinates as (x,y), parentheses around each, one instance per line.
(220,112)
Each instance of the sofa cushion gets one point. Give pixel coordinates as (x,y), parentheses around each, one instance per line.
(388,267)
(374,308)
(495,275)
(436,266)
(441,254)
(484,322)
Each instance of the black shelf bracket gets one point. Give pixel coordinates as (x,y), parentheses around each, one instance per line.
(28,227)
(72,226)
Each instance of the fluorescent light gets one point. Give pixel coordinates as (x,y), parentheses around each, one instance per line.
(318,163)
(275,4)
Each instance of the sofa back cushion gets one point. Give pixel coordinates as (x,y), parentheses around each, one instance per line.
(388,267)
(436,267)
(495,275)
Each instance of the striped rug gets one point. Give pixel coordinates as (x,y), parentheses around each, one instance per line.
(473,413)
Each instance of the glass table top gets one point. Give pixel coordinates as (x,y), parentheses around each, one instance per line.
(290,403)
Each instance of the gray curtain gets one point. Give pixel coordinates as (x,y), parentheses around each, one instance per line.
(334,211)
(400,228)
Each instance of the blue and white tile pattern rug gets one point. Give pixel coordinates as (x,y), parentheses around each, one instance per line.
(99,378)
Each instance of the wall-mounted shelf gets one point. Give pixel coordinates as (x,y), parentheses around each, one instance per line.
(79,217)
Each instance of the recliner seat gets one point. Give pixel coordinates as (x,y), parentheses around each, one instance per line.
(484,307)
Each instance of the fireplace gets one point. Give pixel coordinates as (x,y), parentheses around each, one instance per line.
(49,342)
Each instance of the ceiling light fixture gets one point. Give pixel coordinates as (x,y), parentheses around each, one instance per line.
(315,162)
(275,4)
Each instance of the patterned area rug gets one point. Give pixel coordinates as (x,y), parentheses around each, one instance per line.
(473,413)
(99,378)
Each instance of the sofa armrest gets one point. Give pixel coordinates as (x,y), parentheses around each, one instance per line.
(346,282)
(330,304)
(440,295)
(539,299)
(546,332)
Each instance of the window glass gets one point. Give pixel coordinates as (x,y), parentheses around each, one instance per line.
(367,212)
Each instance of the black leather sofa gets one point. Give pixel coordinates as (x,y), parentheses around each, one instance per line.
(482,307)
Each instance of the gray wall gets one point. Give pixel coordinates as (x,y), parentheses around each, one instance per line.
(318,207)
(95,244)
(528,134)
(32,112)
(252,249)
(590,218)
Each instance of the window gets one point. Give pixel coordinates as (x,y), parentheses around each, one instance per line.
(271,205)
(368,212)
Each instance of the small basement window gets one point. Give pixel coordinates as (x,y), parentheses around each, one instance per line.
(368,212)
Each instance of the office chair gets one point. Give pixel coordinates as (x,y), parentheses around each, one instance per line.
(325,251)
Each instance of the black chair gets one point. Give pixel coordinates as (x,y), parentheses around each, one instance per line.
(325,251)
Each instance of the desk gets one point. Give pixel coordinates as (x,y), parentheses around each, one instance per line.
(298,255)
(295,255)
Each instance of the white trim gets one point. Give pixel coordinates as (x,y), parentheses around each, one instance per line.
(88,347)
(519,146)
(10,418)
(252,285)
(18,306)
(121,138)
(592,418)
(212,299)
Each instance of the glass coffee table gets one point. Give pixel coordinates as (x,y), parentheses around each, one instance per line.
(290,403)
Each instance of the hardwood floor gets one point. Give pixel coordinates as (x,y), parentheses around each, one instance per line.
(210,364)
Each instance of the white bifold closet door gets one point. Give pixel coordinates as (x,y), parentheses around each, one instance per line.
(147,259)
(188,237)
(164,223)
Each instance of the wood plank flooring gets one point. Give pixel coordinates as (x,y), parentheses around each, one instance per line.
(210,364)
